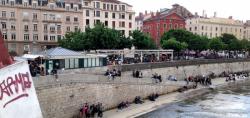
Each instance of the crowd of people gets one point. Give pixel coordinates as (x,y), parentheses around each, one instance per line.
(157,78)
(236,76)
(112,74)
(36,68)
(137,74)
(90,111)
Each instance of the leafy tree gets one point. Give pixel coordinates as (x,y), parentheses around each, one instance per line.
(216,44)
(141,40)
(235,45)
(179,34)
(173,44)
(198,43)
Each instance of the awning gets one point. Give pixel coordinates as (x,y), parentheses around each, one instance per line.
(31,56)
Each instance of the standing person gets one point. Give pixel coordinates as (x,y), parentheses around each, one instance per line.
(100,110)
(85,110)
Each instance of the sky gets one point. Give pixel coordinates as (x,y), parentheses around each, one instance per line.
(239,9)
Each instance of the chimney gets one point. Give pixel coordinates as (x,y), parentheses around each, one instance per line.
(157,13)
(146,12)
(196,14)
(140,14)
(203,13)
(152,14)
(230,17)
(215,14)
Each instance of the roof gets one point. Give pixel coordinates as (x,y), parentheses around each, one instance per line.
(113,1)
(162,16)
(60,52)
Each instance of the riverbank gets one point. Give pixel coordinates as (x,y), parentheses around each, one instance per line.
(138,110)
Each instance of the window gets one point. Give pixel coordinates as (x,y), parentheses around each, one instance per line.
(113,15)
(45,27)
(68,29)
(52,28)
(122,16)
(104,6)
(176,26)
(4,14)
(98,14)
(13,47)
(34,16)
(112,7)
(12,14)
(4,25)
(87,21)
(122,24)
(165,26)
(5,36)
(13,27)
(12,3)
(76,28)
(59,37)
(26,37)
(170,26)
(130,25)
(216,29)
(35,27)
(107,6)
(75,19)
(25,4)
(130,16)
(45,38)
(98,5)
(106,23)
(86,3)
(35,37)
(202,28)
(52,38)
(190,29)
(75,8)
(67,8)
(113,24)
(115,7)
(45,16)
(195,28)
(26,27)
(26,47)
(87,12)
(34,5)
(58,27)
(123,7)
(97,21)
(67,18)
(106,14)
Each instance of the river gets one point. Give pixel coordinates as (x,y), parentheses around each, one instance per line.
(227,102)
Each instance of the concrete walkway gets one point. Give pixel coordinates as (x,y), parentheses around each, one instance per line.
(136,110)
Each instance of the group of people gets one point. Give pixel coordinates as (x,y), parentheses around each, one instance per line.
(157,78)
(137,74)
(122,105)
(202,79)
(138,100)
(90,111)
(36,68)
(153,96)
(234,77)
(113,73)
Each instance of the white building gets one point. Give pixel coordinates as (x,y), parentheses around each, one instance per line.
(113,13)
(215,27)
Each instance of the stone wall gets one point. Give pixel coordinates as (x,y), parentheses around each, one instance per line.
(65,100)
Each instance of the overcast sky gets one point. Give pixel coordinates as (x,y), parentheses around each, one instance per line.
(239,9)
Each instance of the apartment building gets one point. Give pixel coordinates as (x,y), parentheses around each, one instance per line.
(215,26)
(33,25)
(112,13)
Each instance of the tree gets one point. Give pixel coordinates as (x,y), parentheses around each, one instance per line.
(198,43)
(179,34)
(141,40)
(227,39)
(173,44)
(216,44)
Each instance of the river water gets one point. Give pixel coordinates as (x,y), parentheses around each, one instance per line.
(227,102)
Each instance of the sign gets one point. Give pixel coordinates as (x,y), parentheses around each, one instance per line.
(18,97)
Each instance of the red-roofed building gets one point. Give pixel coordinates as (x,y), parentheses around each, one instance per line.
(157,25)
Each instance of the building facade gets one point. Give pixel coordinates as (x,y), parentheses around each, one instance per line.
(215,27)
(112,13)
(142,17)
(157,25)
(32,25)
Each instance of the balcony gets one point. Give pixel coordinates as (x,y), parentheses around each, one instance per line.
(3,18)
(52,31)
(52,21)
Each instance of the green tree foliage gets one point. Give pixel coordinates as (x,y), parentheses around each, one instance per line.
(174,44)
(179,34)
(99,37)
(198,43)
(141,40)
(216,44)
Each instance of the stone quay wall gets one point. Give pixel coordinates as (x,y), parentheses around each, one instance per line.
(65,100)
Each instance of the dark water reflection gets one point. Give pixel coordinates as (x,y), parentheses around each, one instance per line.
(230,102)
